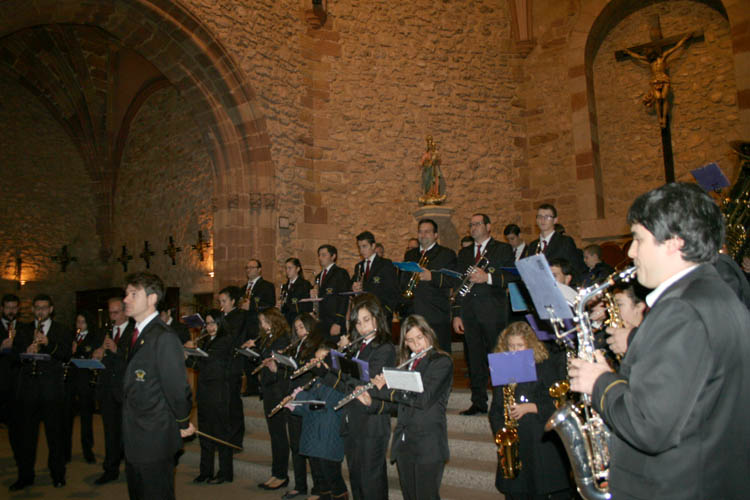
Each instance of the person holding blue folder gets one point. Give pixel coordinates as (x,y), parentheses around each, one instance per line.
(543,471)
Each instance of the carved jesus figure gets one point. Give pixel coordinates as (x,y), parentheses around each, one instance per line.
(659,93)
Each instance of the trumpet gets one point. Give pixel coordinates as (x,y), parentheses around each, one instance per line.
(356,393)
(414,280)
(466,284)
(289,398)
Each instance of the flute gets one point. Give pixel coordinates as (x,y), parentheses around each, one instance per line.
(357,392)
(290,397)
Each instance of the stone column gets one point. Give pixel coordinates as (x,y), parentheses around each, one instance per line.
(447,232)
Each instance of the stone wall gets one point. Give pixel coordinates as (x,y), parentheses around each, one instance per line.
(704,111)
(46,203)
(165,188)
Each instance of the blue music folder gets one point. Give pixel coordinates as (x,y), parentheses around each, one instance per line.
(517,302)
(89,364)
(409,267)
(194,321)
(710,177)
(512,367)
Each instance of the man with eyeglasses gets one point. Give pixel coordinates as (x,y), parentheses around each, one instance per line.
(259,296)
(553,244)
(483,312)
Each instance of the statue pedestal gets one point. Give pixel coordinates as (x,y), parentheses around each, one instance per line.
(441,214)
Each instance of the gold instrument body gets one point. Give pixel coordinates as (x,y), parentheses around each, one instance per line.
(414,280)
(736,208)
(559,392)
(506,438)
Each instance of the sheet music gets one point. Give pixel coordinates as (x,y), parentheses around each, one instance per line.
(196,352)
(88,364)
(403,380)
(247,352)
(284,360)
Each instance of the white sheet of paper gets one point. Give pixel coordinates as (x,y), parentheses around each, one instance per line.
(403,380)
(285,360)
(196,352)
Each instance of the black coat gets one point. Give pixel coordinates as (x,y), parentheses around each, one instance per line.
(292,307)
(81,378)
(544,464)
(157,399)
(421,434)
(678,405)
(262,297)
(432,298)
(48,383)
(500,255)
(109,381)
(561,246)
(333,306)
(380,281)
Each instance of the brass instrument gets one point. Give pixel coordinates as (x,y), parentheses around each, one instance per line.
(369,385)
(582,431)
(559,392)
(414,280)
(290,397)
(316,304)
(466,284)
(38,332)
(736,207)
(506,438)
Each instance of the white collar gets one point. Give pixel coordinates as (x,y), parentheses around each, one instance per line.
(143,324)
(482,244)
(652,297)
(423,250)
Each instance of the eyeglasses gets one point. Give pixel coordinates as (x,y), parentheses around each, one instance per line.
(544,217)
(475,224)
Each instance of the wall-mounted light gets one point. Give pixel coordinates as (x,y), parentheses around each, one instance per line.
(211,273)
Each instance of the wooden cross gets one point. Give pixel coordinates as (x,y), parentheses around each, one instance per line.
(64,258)
(172,250)
(124,258)
(146,254)
(656,54)
(201,246)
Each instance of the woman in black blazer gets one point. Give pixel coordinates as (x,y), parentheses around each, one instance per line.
(295,289)
(420,440)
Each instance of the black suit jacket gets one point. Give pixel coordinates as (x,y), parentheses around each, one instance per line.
(381,281)
(432,298)
(8,363)
(561,246)
(157,399)
(81,377)
(679,404)
(50,373)
(262,297)
(333,306)
(500,255)
(109,381)
(421,434)
(292,307)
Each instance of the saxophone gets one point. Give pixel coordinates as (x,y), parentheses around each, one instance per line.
(414,280)
(736,207)
(582,431)
(506,438)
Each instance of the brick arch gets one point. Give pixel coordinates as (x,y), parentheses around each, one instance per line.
(212,85)
(596,19)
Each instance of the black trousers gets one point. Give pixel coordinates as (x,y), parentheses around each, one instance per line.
(299,462)
(209,448)
(50,413)
(368,474)
(420,481)
(112,423)
(279,440)
(484,318)
(79,401)
(328,475)
(151,481)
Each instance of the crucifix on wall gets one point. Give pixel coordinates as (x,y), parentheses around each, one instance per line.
(124,258)
(64,258)
(172,250)
(201,246)
(146,254)
(656,54)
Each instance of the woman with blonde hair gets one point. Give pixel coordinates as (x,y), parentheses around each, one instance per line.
(544,469)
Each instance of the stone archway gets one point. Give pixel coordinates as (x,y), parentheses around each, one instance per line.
(595,20)
(214,87)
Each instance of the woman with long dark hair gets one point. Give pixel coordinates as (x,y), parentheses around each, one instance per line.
(295,289)
(214,391)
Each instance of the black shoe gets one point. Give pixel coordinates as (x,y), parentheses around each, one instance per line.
(21,484)
(106,477)
(89,457)
(219,480)
(202,478)
(59,484)
(293,494)
(473,410)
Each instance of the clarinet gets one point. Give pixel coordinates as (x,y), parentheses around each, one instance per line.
(356,393)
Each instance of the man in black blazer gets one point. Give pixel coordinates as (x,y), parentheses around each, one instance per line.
(483,312)
(8,325)
(552,244)
(156,396)
(678,406)
(259,296)
(375,275)
(113,354)
(329,284)
(431,294)
(41,391)
(167,315)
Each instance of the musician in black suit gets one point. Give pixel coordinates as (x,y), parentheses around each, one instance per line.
(420,441)
(331,281)
(81,394)
(8,362)
(512,235)
(41,391)
(259,296)
(157,399)
(233,323)
(113,354)
(295,289)
(678,404)
(366,429)
(431,295)
(483,312)
(376,275)
(167,316)
(555,245)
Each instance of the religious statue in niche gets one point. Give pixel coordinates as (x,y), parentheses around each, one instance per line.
(433,182)
(658,96)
